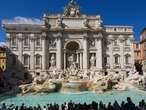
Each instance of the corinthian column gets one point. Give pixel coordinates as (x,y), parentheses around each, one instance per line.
(20,47)
(122,52)
(44,51)
(99,59)
(32,51)
(59,53)
(85,53)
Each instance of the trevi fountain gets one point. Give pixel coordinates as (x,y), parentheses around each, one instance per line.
(76,58)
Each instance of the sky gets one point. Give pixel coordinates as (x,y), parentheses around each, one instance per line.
(112,12)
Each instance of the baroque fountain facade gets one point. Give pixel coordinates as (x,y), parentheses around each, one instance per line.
(69,48)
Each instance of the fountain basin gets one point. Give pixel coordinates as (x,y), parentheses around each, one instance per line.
(80,97)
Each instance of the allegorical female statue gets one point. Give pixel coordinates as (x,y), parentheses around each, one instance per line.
(52,61)
(92,61)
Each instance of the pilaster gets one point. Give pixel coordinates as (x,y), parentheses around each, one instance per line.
(99,59)
(85,54)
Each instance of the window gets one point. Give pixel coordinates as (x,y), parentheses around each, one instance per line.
(144,62)
(26,41)
(137,54)
(126,42)
(137,46)
(26,59)
(14,59)
(117,59)
(14,41)
(115,42)
(38,41)
(38,60)
(144,36)
(144,53)
(127,59)
(145,45)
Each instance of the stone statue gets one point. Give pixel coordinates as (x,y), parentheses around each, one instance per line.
(52,61)
(86,23)
(59,22)
(72,9)
(46,21)
(92,61)
(72,62)
(78,11)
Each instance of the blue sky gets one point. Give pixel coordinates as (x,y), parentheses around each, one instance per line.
(113,12)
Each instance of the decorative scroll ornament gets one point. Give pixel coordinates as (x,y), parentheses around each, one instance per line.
(52,43)
(72,10)
(91,43)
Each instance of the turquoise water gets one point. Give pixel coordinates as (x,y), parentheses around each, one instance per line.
(87,97)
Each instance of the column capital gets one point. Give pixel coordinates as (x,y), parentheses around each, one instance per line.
(98,36)
(8,36)
(59,35)
(121,38)
(19,35)
(44,35)
(32,36)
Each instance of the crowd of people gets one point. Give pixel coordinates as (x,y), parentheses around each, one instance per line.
(129,105)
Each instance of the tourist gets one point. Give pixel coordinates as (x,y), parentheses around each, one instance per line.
(109,107)
(129,105)
(101,106)
(4,106)
(122,105)
(116,106)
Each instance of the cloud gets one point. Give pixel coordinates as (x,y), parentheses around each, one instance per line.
(23,20)
(2,44)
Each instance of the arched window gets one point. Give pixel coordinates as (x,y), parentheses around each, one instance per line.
(14,41)
(38,60)
(127,59)
(127,42)
(117,59)
(26,60)
(38,41)
(14,59)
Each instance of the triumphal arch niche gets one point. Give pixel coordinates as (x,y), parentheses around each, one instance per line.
(78,39)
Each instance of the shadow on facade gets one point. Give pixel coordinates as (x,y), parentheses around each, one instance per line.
(15,75)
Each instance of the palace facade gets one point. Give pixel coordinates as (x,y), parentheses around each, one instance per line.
(68,41)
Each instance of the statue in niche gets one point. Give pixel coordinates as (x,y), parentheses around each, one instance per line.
(92,61)
(72,61)
(72,65)
(52,61)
